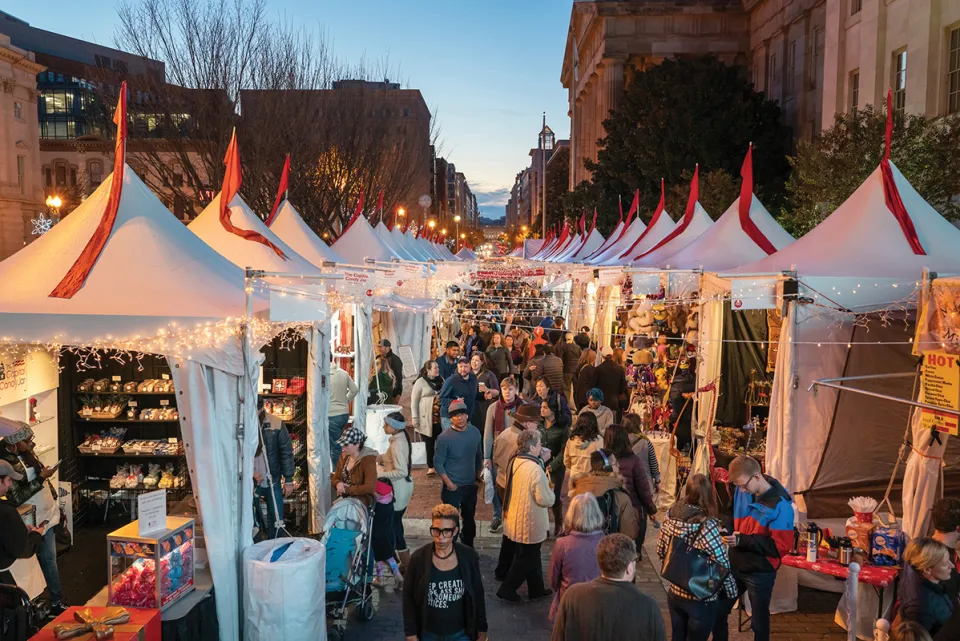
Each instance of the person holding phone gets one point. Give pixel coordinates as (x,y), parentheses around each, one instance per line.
(17,540)
(34,488)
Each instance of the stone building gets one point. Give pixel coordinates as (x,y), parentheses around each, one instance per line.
(21,194)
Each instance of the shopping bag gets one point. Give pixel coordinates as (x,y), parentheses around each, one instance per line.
(487,486)
(419,453)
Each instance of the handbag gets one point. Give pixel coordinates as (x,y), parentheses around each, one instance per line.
(691,569)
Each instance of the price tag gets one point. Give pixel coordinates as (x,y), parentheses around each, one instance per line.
(152,510)
(164,403)
(172,439)
(165,377)
(115,379)
(132,403)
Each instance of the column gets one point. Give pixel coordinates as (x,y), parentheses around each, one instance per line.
(613,85)
(835,70)
(923,60)
(875,60)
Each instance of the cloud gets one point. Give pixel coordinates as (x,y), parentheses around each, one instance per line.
(497,197)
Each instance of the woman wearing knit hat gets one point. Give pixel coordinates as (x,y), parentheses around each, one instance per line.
(596,407)
(394,467)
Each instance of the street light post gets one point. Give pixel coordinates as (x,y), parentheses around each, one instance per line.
(456,219)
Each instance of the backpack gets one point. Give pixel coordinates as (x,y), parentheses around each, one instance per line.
(610,511)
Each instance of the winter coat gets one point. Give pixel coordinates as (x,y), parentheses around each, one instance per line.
(361,479)
(576,455)
(421,406)
(504,449)
(528,501)
(397,366)
(765,524)
(636,482)
(479,415)
(644,450)
(586,381)
(612,381)
(573,560)
(551,369)
(570,355)
(417,583)
(458,387)
(501,361)
(342,390)
(555,438)
(17,542)
(395,468)
(604,609)
(924,602)
(447,369)
(21,491)
(605,416)
(490,423)
(278,449)
(598,484)
(686,521)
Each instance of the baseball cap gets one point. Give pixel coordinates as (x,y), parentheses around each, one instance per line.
(463,359)
(351,436)
(606,350)
(457,406)
(7,470)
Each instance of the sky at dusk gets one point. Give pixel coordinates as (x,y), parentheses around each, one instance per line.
(488,69)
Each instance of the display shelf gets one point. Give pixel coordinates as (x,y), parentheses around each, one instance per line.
(80,419)
(273,395)
(171,393)
(103,485)
(119,455)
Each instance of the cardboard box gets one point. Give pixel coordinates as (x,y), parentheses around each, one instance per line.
(144,625)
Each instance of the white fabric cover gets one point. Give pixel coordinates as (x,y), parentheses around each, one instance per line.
(416,253)
(292,230)
(211,402)
(699,224)
(593,242)
(921,479)
(466,254)
(240,251)
(668,473)
(318,442)
(568,250)
(398,250)
(709,347)
(360,241)
(410,329)
(607,243)
(285,600)
(377,438)
(726,245)
(363,340)
(618,255)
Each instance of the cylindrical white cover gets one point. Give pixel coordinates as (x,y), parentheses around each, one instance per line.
(285,600)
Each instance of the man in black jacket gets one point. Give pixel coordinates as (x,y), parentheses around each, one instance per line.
(17,540)
(612,381)
(396,365)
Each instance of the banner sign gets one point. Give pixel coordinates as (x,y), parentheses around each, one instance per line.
(580,275)
(940,380)
(510,273)
(753,294)
(356,282)
(939,421)
(611,277)
(23,376)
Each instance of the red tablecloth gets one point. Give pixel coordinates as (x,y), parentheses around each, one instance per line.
(876,575)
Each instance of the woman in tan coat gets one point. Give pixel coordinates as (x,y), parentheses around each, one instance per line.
(526,520)
(356,473)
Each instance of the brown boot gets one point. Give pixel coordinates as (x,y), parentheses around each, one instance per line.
(404,557)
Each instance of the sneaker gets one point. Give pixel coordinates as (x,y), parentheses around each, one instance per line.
(512,598)
(496,526)
(58,608)
(546,593)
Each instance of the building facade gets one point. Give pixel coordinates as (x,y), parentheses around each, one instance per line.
(817,58)
(21,194)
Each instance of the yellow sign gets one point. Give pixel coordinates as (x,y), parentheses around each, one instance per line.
(941,380)
(940,421)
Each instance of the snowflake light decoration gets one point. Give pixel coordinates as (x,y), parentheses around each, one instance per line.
(41,224)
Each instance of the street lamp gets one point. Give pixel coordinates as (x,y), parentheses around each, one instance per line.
(432,224)
(401,212)
(456,219)
(54,203)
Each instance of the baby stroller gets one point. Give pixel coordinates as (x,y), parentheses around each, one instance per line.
(346,535)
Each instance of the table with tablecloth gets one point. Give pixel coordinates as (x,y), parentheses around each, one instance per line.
(879,576)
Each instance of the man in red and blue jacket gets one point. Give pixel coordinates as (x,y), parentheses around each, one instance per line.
(762,535)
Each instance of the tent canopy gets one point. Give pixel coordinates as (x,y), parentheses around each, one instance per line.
(466,254)
(360,241)
(610,240)
(658,229)
(291,229)
(396,248)
(590,244)
(700,222)
(239,250)
(628,234)
(726,245)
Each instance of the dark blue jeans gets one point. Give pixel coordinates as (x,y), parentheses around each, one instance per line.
(47,557)
(459,636)
(691,620)
(464,498)
(335,425)
(399,542)
(759,587)
(271,525)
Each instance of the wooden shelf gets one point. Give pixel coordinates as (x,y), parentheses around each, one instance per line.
(125,420)
(121,393)
(121,455)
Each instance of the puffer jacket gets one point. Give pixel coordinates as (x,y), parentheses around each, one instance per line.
(528,500)
(685,521)
(361,480)
(924,602)
(598,484)
(396,469)
(576,455)
(636,482)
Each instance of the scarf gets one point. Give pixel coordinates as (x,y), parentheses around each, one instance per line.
(499,417)
(435,383)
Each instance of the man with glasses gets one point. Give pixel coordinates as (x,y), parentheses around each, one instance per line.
(762,535)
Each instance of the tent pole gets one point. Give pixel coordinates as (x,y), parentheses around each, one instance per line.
(249,276)
(828,382)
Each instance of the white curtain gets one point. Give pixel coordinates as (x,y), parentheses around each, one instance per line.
(211,402)
(318,442)
(921,479)
(710,348)
(363,327)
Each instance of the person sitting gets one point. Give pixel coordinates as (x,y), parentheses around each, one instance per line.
(923,595)
(910,631)
(604,482)
(595,406)
(574,556)
(356,473)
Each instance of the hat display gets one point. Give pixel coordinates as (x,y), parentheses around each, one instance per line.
(526,413)
(351,436)
(457,406)
(7,470)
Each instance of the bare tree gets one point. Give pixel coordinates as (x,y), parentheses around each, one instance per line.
(228,66)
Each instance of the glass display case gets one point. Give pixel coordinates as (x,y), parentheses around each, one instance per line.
(151,571)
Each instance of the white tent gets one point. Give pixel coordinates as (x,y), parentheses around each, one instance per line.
(608,242)
(690,227)
(563,243)
(157,288)
(615,246)
(416,252)
(398,250)
(360,241)
(546,246)
(571,248)
(291,229)
(428,249)
(466,254)
(659,228)
(726,244)
(239,250)
(591,243)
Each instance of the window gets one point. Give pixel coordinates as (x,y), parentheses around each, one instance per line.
(96,173)
(791,65)
(854,89)
(17,110)
(22,173)
(406,112)
(855,7)
(47,177)
(61,175)
(73,177)
(953,72)
(773,69)
(900,80)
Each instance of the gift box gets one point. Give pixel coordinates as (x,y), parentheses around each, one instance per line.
(144,625)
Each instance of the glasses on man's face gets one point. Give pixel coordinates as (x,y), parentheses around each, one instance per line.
(445,532)
(745,486)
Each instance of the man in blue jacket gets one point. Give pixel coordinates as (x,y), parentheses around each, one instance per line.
(463,384)
(447,362)
(278,457)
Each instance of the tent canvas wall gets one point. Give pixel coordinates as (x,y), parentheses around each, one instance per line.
(699,223)
(360,242)
(658,229)
(290,227)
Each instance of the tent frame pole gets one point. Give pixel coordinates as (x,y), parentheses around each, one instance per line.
(834,383)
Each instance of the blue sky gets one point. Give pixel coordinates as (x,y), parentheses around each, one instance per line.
(488,69)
